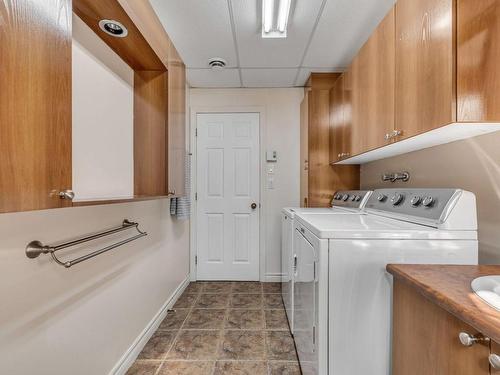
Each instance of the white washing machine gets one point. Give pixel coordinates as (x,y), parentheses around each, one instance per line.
(342,322)
(343,202)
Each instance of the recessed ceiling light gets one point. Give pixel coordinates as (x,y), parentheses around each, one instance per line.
(275,27)
(113,28)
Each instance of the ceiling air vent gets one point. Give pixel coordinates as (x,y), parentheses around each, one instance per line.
(217,63)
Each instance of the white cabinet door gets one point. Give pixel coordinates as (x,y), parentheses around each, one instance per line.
(228,196)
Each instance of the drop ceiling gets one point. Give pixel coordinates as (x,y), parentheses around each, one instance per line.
(323,36)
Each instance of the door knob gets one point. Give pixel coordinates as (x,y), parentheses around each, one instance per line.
(66,194)
(253,206)
(494,361)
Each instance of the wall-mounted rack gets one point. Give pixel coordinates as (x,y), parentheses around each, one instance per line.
(35,248)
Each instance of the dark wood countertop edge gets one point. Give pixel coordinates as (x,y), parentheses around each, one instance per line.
(444,302)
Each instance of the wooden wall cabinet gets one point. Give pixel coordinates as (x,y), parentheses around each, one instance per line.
(430,67)
(35,106)
(319,179)
(425,339)
(367,98)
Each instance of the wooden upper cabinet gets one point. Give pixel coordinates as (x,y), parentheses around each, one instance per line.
(425,65)
(337,119)
(478,67)
(376,84)
(35,104)
(176,124)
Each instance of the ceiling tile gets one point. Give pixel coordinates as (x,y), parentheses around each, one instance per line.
(304,74)
(344,27)
(213,78)
(255,51)
(200,29)
(268,77)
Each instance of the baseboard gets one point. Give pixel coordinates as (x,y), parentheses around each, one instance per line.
(272,278)
(131,354)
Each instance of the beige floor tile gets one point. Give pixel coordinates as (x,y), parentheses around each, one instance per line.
(217,287)
(276,320)
(280,346)
(284,368)
(158,345)
(205,319)
(240,368)
(195,345)
(143,368)
(273,301)
(185,301)
(251,287)
(271,288)
(243,345)
(246,301)
(212,301)
(193,288)
(245,319)
(186,368)
(174,319)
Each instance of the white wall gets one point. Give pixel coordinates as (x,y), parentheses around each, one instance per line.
(103,119)
(81,320)
(472,164)
(280,130)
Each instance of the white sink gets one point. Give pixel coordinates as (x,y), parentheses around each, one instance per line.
(488,289)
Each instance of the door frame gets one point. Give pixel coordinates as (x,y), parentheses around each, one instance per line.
(194,111)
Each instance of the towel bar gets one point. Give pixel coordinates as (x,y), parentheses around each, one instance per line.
(35,248)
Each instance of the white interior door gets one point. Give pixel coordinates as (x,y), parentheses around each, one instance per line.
(228,196)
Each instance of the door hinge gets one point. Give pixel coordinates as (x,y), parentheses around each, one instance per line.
(195,132)
(195,196)
(196,260)
(314,338)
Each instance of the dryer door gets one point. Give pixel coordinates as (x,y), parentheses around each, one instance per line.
(305,301)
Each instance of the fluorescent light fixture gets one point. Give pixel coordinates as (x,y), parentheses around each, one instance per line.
(267,15)
(275,27)
(284,11)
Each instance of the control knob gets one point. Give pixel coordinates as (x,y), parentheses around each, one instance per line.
(353,198)
(415,201)
(397,199)
(381,197)
(345,197)
(428,201)
(357,198)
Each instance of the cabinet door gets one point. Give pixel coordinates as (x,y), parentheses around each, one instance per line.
(376,84)
(353,109)
(425,65)
(478,70)
(425,339)
(337,120)
(35,104)
(176,124)
(304,150)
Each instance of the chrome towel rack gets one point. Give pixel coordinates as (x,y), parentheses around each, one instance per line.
(35,248)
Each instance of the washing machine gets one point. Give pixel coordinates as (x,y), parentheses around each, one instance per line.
(342,324)
(343,202)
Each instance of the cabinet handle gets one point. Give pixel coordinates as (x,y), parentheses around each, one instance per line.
(494,361)
(468,340)
(343,155)
(67,194)
(393,134)
(295,264)
(171,192)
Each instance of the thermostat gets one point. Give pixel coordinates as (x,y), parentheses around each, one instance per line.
(272,156)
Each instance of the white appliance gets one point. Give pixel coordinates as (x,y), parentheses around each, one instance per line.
(342,320)
(343,202)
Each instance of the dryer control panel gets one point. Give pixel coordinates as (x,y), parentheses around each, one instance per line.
(351,198)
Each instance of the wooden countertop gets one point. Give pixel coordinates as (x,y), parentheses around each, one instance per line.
(449,287)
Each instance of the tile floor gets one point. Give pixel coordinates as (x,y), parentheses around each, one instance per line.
(222,328)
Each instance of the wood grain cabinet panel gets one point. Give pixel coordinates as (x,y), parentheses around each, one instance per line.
(376,84)
(425,339)
(337,119)
(425,65)
(176,124)
(319,179)
(35,104)
(478,67)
